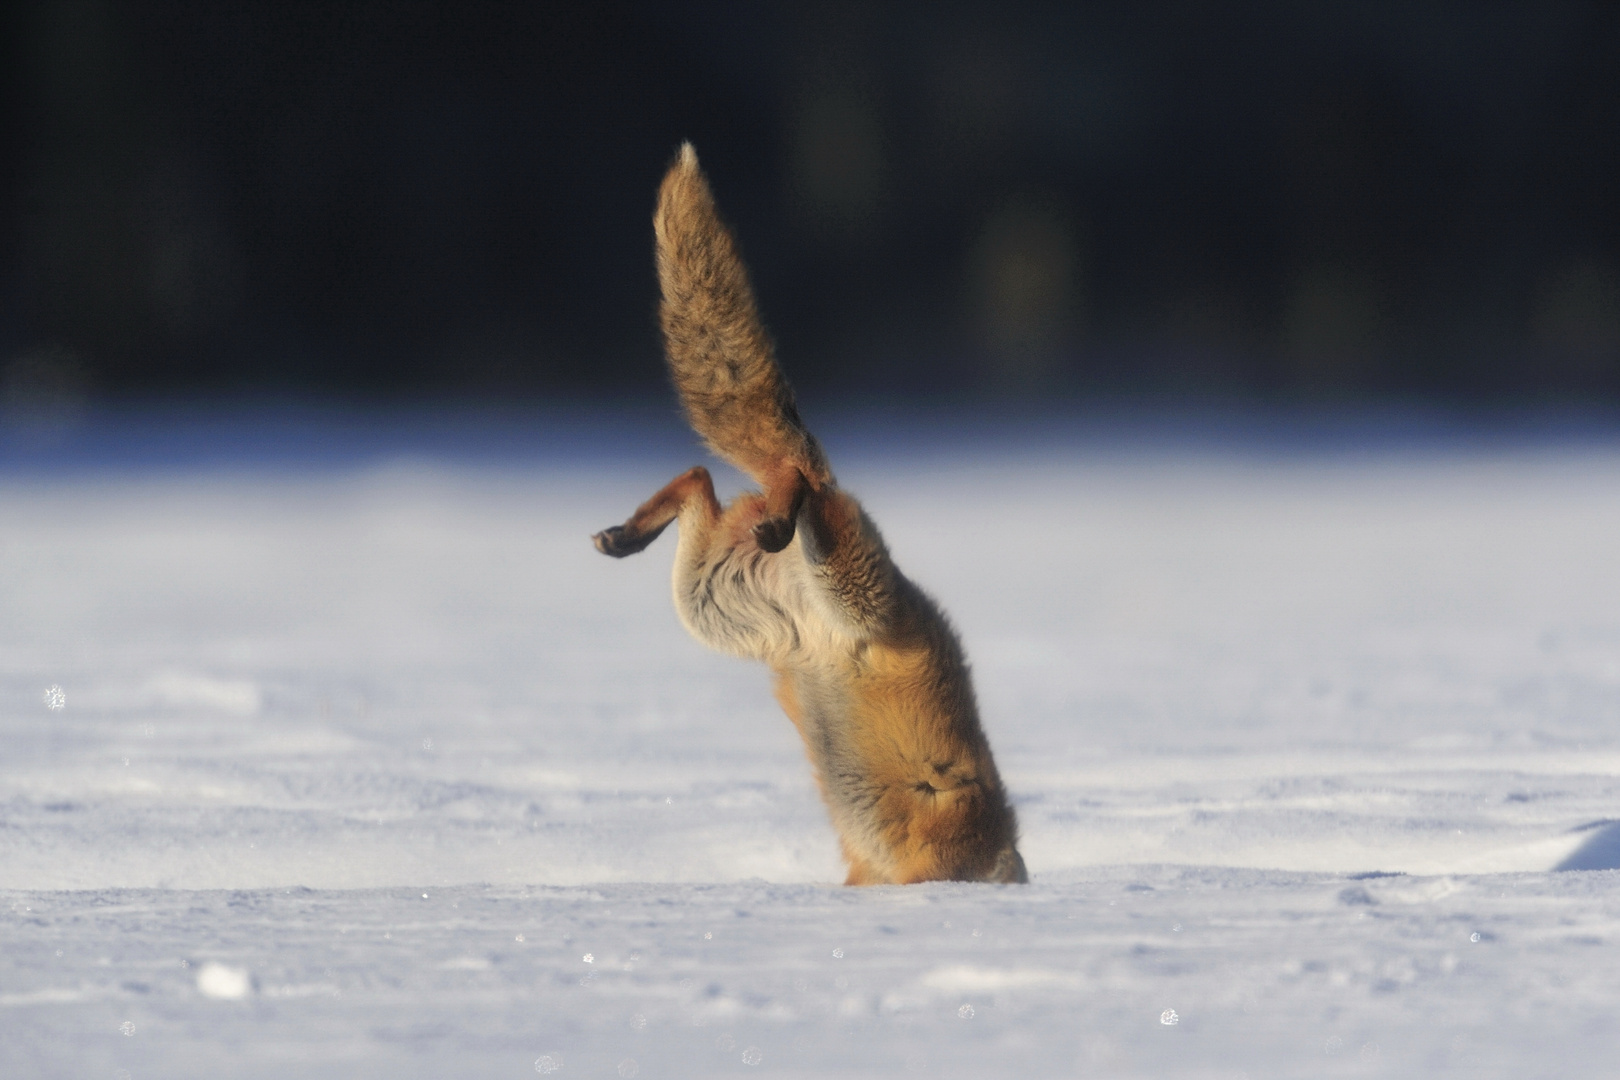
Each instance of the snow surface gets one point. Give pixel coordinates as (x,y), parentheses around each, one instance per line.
(368,765)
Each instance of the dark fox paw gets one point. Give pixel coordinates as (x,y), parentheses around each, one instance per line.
(618,542)
(773,534)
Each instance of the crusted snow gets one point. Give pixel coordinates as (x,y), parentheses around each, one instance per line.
(1316,748)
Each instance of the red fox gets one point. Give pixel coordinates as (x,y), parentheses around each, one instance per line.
(866,666)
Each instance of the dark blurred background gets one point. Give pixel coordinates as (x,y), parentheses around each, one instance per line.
(1261,201)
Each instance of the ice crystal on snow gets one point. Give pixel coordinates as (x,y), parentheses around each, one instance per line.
(55,698)
(590,958)
(628,1068)
(838,954)
(1169,1018)
(965,1012)
(127,1027)
(753,1056)
(223,983)
(638,1022)
(548,1063)
(1474,937)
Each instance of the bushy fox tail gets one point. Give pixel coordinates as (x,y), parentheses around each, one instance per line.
(719,354)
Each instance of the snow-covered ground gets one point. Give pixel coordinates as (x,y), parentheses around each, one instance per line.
(369,766)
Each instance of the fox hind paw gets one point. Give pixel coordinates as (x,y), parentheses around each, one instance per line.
(773,534)
(617,541)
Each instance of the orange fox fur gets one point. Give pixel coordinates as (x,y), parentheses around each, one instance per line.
(866,666)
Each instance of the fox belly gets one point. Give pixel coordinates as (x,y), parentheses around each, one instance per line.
(732,595)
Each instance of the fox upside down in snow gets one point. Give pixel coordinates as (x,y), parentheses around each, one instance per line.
(866,666)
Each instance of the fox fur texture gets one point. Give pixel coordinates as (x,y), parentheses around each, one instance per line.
(796,575)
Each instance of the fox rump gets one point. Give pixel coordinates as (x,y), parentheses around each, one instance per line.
(796,575)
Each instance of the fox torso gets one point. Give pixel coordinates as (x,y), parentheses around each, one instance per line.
(866,665)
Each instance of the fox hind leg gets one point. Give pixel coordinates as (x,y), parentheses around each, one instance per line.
(653,516)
